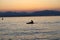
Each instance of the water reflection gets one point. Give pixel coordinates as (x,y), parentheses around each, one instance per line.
(15,28)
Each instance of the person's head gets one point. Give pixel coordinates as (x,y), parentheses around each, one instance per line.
(31,20)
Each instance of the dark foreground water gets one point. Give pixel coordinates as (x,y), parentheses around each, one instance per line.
(15,28)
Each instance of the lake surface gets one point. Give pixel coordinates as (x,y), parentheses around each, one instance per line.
(15,28)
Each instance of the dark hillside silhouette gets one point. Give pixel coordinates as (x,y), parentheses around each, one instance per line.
(36,13)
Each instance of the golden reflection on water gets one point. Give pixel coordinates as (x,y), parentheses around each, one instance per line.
(16,28)
(22,19)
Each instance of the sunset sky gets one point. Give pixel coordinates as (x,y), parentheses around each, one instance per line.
(29,5)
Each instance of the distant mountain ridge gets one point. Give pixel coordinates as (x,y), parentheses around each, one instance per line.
(36,13)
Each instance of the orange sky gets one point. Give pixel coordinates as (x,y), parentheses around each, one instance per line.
(29,5)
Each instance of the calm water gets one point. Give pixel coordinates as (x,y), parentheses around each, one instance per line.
(15,28)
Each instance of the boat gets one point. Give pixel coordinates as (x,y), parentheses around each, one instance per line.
(29,23)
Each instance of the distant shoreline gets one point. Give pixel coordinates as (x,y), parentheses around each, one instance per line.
(36,13)
(22,16)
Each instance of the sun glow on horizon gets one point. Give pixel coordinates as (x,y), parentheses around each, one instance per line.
(29,5)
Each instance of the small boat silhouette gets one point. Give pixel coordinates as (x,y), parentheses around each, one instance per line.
(30,22)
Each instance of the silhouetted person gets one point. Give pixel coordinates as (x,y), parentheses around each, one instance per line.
(31,22)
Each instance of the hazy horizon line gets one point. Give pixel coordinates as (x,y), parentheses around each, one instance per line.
(29,11)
